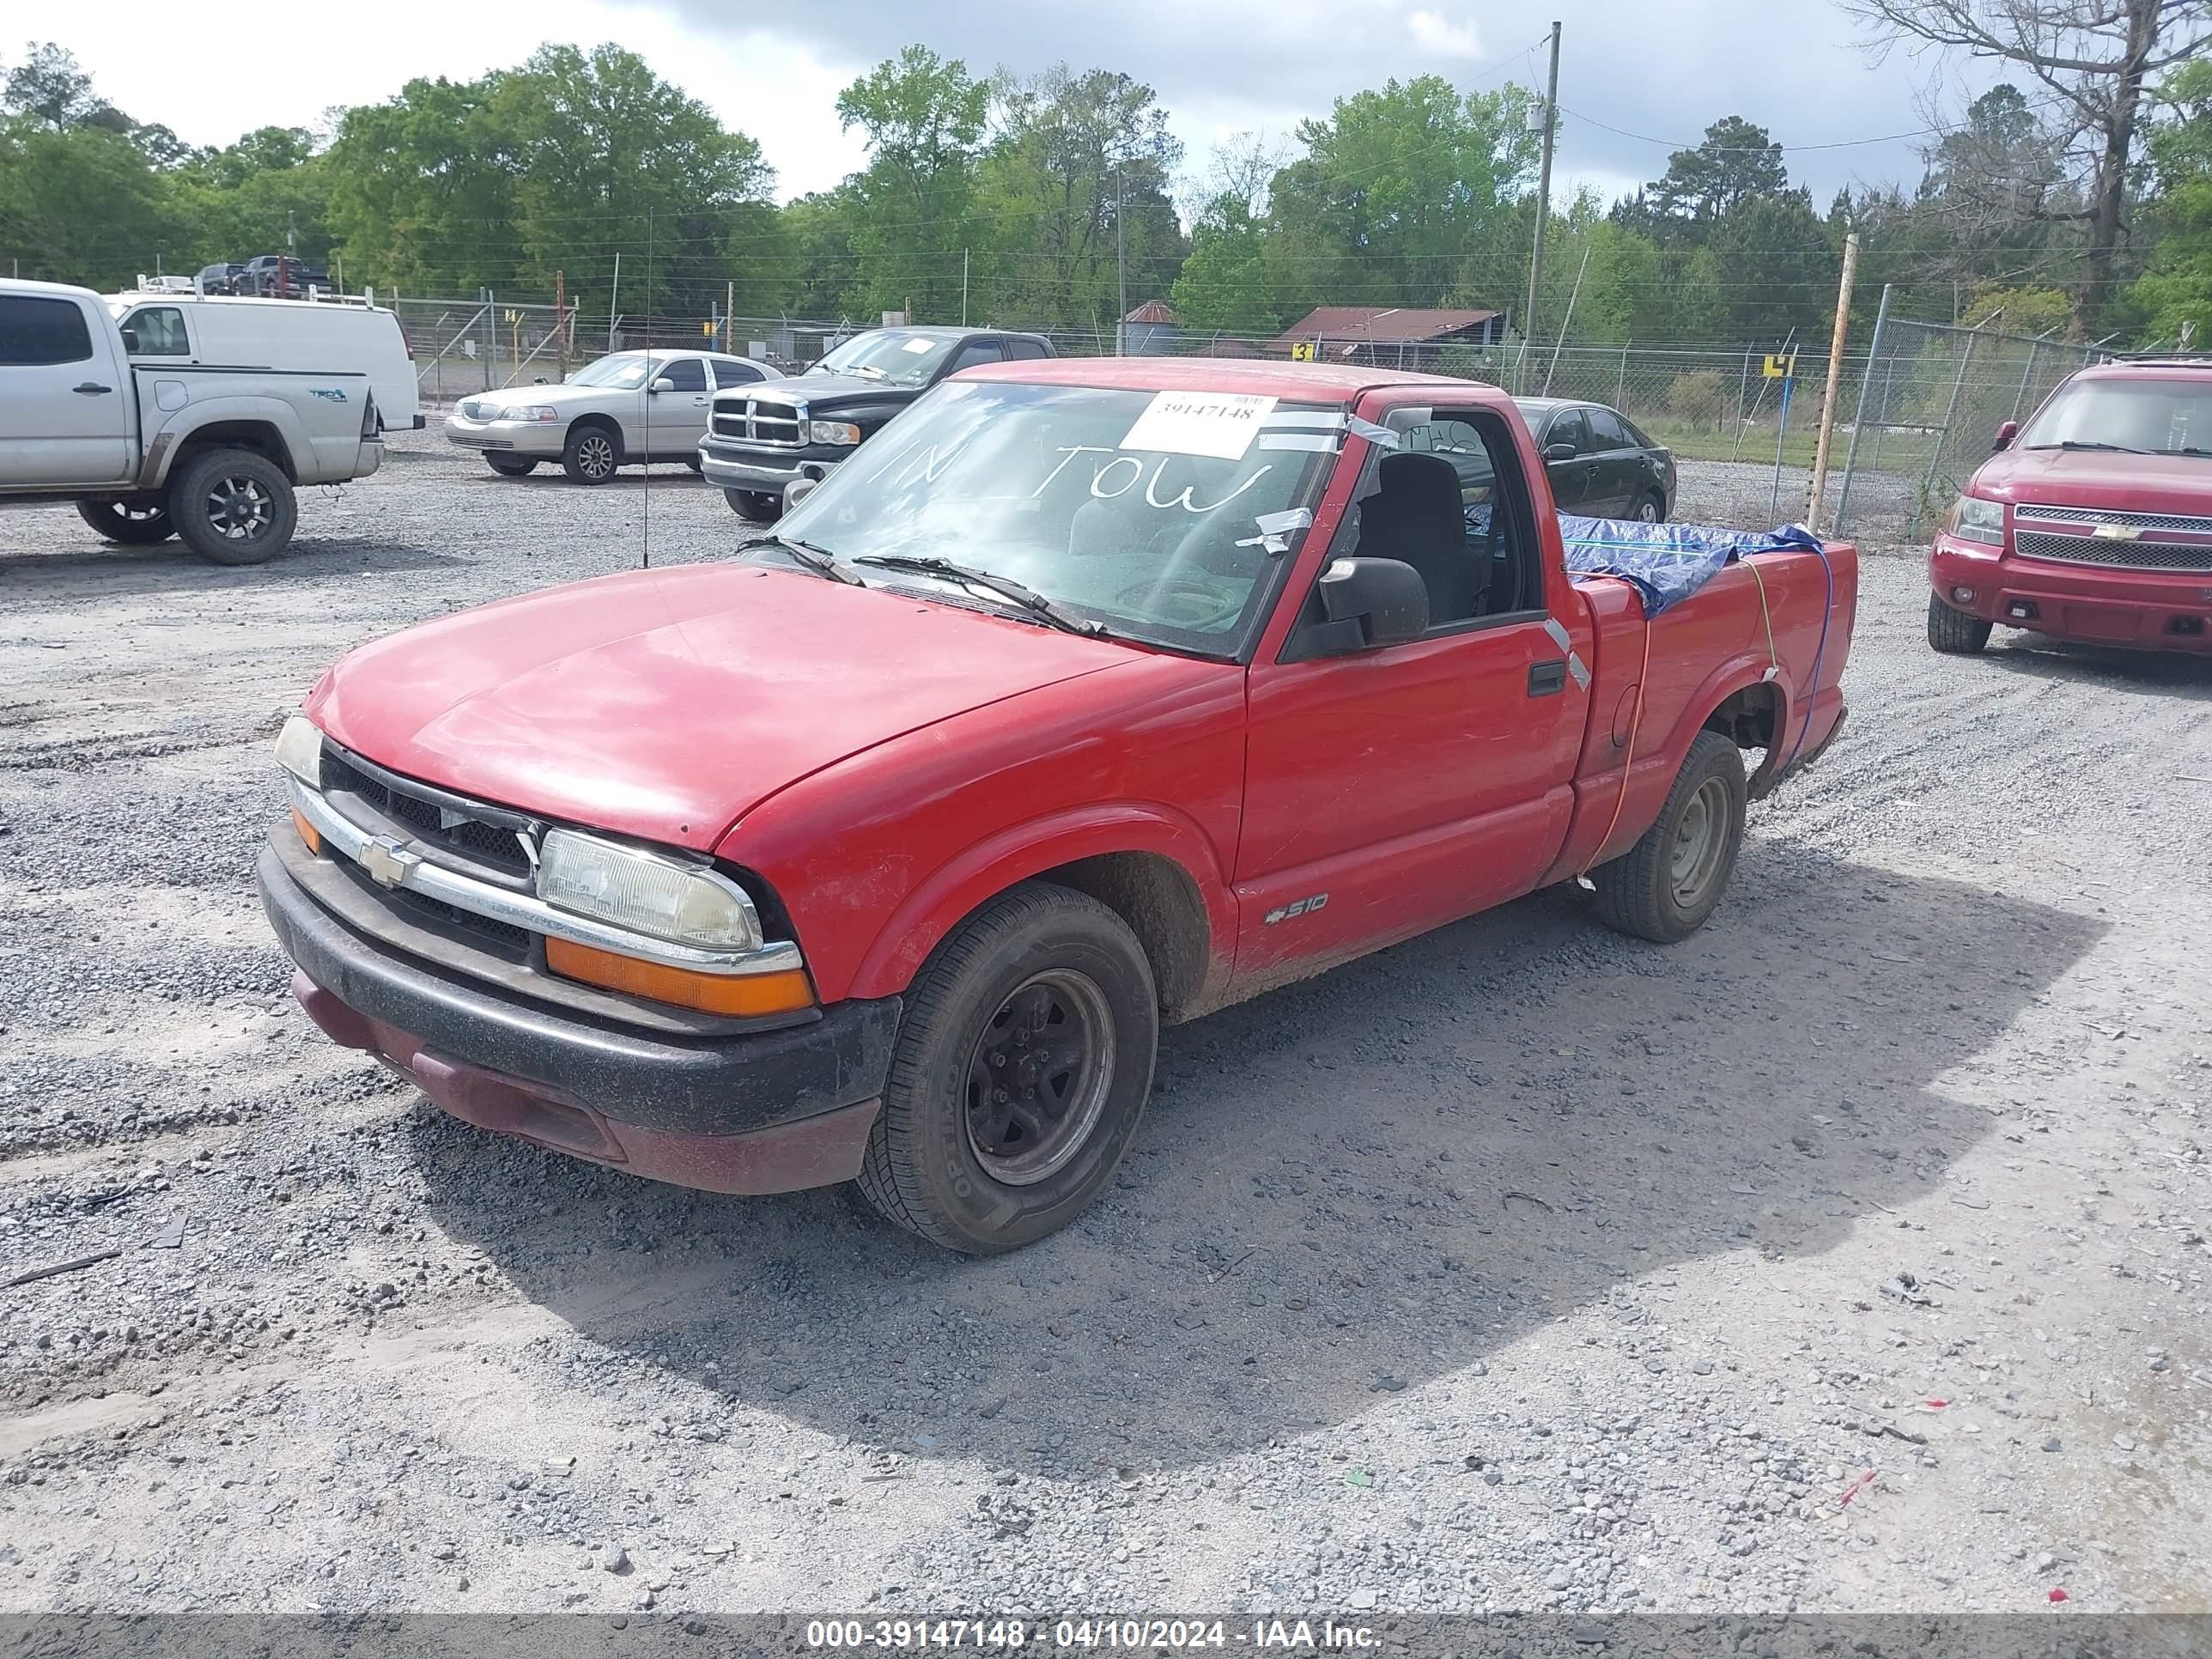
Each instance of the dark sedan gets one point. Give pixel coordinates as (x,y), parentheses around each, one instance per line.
(1600,463)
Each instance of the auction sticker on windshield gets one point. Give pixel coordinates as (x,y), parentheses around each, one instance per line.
(1217,423)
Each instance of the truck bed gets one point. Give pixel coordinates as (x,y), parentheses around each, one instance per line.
(1715,641)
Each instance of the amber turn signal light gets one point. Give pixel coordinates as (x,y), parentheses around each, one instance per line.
(739,995)
(308,832)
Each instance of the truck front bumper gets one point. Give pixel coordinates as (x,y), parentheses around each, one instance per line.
(760,1112)
(763,474)
(2087,604)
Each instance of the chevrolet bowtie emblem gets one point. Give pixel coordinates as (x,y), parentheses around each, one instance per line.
(2116,533)
(386,861)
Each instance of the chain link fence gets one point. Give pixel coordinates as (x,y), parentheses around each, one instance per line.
(1916,410)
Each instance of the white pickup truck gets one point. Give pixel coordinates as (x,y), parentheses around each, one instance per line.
(151,448)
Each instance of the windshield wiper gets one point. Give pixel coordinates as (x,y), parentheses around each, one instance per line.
(2188,449)
(2077,443)
(867,371)
(807,557)
(1004,586)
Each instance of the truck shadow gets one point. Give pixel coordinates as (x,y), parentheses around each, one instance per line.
(1371,1180)
(2174,673)
(310,557)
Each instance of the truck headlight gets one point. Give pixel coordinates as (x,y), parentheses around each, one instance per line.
(300,750)
(1974,520)
(834,432)
(646,892)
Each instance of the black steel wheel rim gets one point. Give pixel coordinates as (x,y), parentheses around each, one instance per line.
(241,508)
(1038,1076)
(1701,838)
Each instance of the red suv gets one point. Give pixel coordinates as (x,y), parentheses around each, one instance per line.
(2092,524)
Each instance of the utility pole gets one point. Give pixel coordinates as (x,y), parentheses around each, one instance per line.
(1814,500)
(964,288)
(291,233)
(1543,209)
(1121,260)
(561,323)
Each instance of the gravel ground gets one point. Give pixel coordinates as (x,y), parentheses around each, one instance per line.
(1851,1256)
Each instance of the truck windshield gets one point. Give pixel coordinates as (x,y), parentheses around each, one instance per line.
(624,371)
(2154,416)
(1160,515)
(889,353)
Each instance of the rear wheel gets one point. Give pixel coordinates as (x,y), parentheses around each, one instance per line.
(512,466)
(1650,508)
(1020,1068)
(1954,632)
(1664,887)
(234,507)
(590,456)
(753,507)
(135,523)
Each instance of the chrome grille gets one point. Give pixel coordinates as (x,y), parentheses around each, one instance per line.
(760,421)
(2184,524)
(2093,549)
(478,409)
(488,846)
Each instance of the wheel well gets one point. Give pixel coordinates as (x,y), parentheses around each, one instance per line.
(1162,905)
(606,424)
(262,438)
(1747,718)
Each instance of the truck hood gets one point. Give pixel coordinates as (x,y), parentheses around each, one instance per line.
(820,392)
(2096,477)
(667,704)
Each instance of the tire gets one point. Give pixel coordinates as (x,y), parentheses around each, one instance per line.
(1649,508)
(753,507)
(590,455)
(694,463)
(1953,632)
(136,523)
(511,466)
(234,507)
(940,1161)
(1664,887)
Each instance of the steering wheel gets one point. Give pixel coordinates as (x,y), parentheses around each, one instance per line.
(1188,601)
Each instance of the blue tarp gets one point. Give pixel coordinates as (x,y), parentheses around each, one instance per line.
(1667,562)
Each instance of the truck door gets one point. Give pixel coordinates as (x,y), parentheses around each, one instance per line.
(1393,788)
(65,396)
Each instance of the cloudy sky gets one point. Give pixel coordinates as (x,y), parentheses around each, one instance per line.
(1636,79)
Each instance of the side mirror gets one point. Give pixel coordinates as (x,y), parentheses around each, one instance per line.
(1560,451)
(664,384)
(796,491)
(2006,434)
(1384,601)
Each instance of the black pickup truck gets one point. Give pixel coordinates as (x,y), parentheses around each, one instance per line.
(762,439)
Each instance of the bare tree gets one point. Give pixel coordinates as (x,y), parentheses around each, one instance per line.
(2092,57)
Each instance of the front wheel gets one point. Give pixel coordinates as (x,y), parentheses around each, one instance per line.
(134,523)
(590,456)
(1021,1067)
(753,507)
(1953,632)
(1664,887)
(234,507)
(512,466)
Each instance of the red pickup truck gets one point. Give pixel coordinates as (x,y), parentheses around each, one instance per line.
(2094,524)
(1087,698)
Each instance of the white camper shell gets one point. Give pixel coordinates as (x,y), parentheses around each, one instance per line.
(288,336)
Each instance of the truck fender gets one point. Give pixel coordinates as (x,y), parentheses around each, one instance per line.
(958,888)
(1736,674)
(272,414)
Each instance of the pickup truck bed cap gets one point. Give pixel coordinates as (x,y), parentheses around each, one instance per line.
(1306,382)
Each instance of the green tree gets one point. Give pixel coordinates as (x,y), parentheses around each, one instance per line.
(1223,285)
(924,117)
(80,204)
(2175,294)
(1397,185)
(1077,157)
(421,189)
(1735,162)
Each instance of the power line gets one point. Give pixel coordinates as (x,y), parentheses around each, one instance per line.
(1759,149)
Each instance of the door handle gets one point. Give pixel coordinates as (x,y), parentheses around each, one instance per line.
(92,388)
(1547,679)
